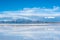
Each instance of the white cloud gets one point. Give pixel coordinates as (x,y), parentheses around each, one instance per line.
(49,17)
(30,12)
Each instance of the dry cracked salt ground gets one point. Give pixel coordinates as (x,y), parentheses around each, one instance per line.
(50,32)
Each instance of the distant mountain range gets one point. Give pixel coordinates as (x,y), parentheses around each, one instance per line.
(33,19)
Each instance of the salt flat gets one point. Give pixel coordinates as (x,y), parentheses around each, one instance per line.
(30,31)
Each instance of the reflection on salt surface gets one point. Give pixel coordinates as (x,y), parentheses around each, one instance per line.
(48,32)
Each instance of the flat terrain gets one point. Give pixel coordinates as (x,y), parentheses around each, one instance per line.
(50,31)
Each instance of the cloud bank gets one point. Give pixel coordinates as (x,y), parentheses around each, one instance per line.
(28,13)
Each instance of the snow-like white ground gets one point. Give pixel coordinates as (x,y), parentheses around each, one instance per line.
(30,32)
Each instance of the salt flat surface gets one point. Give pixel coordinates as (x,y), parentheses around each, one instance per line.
(30,32)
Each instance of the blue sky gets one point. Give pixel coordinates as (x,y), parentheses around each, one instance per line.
(20,4)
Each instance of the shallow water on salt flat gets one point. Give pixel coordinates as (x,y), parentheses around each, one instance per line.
(37,32)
